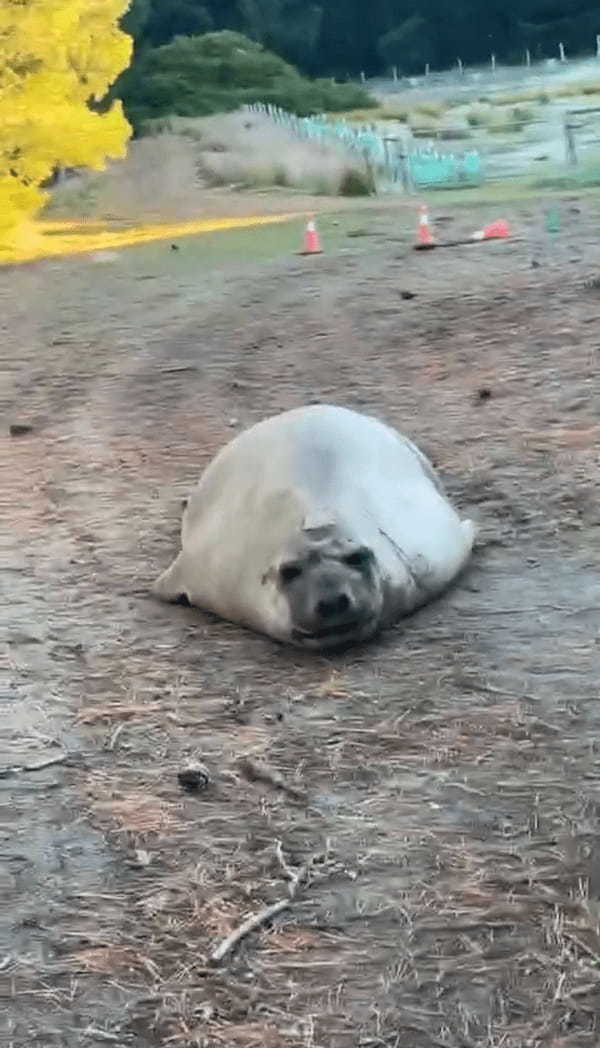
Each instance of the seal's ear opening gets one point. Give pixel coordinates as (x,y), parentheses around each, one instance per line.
(270,576)
(289,571)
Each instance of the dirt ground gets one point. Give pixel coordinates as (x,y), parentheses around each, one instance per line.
(435,794)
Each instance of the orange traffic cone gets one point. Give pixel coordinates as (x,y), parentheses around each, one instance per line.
(312,244)
(424,235)
(497,230)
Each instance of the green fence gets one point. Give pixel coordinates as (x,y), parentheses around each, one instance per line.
(430,168)
(419,168)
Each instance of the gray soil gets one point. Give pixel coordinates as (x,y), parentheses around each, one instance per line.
(436,792)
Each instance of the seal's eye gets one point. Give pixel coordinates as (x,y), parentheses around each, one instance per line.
(359,559)
(289,572)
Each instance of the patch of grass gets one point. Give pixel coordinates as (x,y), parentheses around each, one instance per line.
(359,116)
(397,113)
(380,113)
(248,247)
(450,134)
(522,115)
(500,121)
(579,87)
(510,121)
(394,111)
(423,126)
(512,98)
(435,110)
(586,175)
(478,115)
(544,95)
(514,191)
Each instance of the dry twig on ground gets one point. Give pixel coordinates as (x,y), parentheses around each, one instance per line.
(296,878)
(22,769)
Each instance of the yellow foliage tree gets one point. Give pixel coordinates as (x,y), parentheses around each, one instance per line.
(56,57)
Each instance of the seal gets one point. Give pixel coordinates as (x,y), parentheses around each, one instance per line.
(317,527)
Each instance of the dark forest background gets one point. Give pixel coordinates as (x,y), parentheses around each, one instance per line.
(342,37)
(197,57)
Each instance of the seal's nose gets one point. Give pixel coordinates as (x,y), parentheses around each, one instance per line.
(332,607)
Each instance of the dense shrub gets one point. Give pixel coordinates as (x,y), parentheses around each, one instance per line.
(356,183)
(218,72)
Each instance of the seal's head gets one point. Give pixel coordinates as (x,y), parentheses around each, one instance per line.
(333,591)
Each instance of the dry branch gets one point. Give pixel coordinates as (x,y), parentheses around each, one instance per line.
(256,921)
(296,878)
(6,773)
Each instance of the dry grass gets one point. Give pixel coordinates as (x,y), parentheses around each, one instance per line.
(333,687)
(163,174)
(434,110)
(156,180)
(134,812)
(244,1034)
(290,940)
(389,110)
(250,151)
(479,114)
(453,120)
(512,120)
(397,111)
(422,126)
(106,960)
(511,98)
(574,89)
(500,113)
(117,711)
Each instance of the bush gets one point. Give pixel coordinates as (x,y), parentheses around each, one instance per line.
(523,115)
(400,114)
(430,109)
(219,72)
(355,183)
(422,126)
(500,120)
(478,115)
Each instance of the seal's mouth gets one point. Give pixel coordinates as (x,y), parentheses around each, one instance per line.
(332,636)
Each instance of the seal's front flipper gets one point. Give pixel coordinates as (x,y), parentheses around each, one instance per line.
(169,586)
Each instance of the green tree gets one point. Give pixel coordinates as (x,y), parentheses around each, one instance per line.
(135,19)
(179,18)
(57,59)
(407,46)
(289,27)
(341,37)
(217,72)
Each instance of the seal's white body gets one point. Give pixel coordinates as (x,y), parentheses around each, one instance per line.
(292,473)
